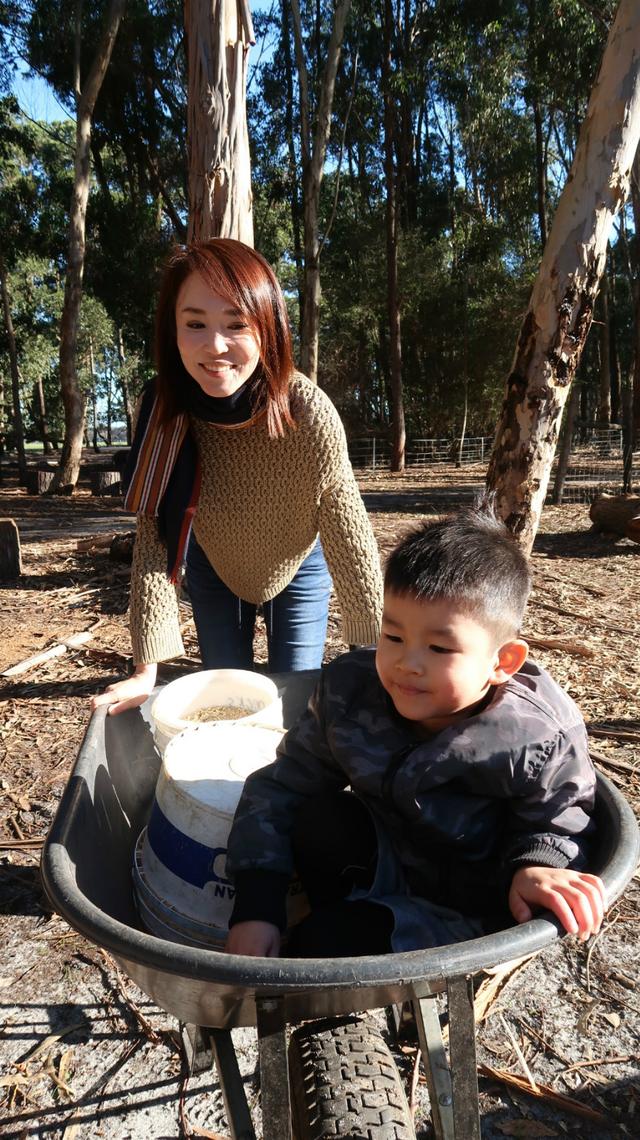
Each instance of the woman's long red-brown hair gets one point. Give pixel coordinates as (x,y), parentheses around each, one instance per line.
(241,275)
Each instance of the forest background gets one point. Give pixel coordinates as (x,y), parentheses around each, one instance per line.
(487,101)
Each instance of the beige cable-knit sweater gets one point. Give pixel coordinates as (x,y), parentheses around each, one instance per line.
(262,504)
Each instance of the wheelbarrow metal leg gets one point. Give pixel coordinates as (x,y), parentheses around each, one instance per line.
(462,1051)
(274,1069)
(436,1068)
(197,1048)
(233,1094)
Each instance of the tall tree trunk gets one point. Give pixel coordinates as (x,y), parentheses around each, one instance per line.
(313,158)
(219,34)
(3,423)
(66,477)
(633,412)
(94,398)
(18,429)
(398,436)
(603,413)
(296,215)
(109,375)
(561,306)
(124,384)
(541,174)
(615,367)
(566,443)
(42,415)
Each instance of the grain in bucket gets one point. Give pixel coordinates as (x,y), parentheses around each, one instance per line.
(214,694)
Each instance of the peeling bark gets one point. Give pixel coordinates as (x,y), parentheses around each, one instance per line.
(219,34)
(561,306)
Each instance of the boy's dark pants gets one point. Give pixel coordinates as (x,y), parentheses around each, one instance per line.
(335,850)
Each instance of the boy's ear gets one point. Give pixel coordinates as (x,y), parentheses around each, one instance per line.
(511,657)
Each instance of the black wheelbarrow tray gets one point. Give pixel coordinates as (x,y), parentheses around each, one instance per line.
(86,869)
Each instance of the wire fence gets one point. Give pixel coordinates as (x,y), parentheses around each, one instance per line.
(595,466)
(596,463)
(374,453)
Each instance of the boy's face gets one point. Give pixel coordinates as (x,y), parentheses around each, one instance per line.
(435,661)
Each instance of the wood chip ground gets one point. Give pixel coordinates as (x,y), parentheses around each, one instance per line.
(84,1054)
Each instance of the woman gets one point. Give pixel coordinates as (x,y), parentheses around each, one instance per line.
(241,462)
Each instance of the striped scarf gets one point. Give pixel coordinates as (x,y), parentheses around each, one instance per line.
(156,456)
(162,477)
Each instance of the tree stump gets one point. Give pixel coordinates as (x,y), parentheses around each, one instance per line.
(10,559)
(39,480)
(106,482)
(619,514)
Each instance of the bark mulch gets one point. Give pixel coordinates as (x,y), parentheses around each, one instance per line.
(84,1054)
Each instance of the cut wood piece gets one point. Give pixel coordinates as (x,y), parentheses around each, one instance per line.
(617,513)
(10,557)
(76,641)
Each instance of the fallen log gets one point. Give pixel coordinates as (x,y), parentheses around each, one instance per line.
(619,514)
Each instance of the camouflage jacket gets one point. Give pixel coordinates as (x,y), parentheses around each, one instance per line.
(512,785)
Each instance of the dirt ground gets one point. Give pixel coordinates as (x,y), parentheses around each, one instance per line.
(84,1054)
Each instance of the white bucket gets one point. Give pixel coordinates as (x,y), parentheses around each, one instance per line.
(179,871)
(254,693)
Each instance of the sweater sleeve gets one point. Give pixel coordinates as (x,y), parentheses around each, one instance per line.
(352,555)
(153,609)
(550,822)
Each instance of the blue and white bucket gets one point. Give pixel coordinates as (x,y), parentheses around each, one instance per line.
(179,869)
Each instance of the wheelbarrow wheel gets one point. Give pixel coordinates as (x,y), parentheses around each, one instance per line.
(344,1082)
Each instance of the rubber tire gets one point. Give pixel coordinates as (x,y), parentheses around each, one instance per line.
(344,1082)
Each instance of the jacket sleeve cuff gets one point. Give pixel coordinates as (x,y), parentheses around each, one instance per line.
(538,854)
(261,896)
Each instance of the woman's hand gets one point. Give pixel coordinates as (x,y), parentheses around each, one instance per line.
(128,694)
(257,939)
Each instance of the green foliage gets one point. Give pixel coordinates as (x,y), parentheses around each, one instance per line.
(488,96)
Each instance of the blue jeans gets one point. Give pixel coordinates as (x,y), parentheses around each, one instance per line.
(295,620)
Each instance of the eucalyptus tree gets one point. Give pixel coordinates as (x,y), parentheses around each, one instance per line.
(316,87)
(90,63)
(30,158)
(219,34)
(560,310)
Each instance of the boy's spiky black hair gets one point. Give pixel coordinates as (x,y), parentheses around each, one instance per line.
(469,558)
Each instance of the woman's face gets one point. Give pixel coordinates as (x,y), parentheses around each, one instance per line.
(216,345)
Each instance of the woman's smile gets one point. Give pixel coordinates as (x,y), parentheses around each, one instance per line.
(207,324)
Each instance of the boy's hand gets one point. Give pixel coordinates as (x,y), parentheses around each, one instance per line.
(257,939)
(576,898)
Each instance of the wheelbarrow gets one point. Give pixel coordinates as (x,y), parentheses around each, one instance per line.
(311,1085)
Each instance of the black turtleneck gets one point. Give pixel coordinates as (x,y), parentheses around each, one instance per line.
(237,408)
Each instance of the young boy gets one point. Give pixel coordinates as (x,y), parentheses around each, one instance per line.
(469,784)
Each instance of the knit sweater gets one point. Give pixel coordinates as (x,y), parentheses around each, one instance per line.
(262,504)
